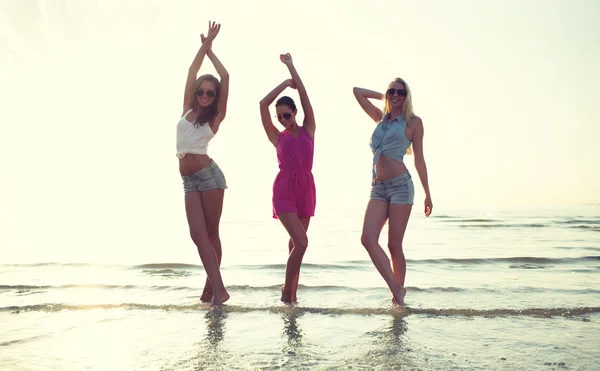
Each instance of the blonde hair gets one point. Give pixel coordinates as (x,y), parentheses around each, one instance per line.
(407,108)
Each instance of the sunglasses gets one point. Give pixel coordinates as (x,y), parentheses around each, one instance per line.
(209,93)
(286,116)
(400,92)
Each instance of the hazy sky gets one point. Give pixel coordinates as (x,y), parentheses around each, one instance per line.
(92,92)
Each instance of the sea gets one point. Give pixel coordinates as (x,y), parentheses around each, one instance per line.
(506,289)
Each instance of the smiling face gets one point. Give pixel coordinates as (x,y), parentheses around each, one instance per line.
(205,93)
(286,115)
(396,95)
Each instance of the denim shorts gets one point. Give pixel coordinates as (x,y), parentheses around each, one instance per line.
(399,190)
(205,179)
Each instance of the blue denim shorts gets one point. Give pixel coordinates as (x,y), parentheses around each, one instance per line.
(205,179)
(399,190)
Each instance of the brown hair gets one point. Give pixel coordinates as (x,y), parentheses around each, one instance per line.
(206,114)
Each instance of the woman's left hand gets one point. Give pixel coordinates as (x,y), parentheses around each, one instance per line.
(428,206)
(286,59)
(213,30)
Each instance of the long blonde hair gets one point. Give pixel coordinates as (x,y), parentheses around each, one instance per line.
(407,108)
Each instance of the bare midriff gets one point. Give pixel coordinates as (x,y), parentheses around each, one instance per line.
(388,168)
(192,163)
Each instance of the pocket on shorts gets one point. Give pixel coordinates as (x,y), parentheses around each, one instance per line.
(404,193)
(401,180)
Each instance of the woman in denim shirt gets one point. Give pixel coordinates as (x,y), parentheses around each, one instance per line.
(392,190)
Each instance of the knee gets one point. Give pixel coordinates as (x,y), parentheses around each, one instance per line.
(367,240)
(395,248)
(301,245)
(199,237)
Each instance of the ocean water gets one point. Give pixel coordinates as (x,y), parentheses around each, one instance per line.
(501,290)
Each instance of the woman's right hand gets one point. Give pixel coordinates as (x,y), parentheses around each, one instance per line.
(290,83)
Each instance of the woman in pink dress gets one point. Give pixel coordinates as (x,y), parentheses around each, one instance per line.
(294,195)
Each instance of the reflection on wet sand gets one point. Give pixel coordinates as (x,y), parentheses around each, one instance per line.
(291,328)
(215,319)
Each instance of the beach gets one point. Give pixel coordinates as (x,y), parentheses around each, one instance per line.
(496,290)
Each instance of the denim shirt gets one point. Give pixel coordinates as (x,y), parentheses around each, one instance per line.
(389,140)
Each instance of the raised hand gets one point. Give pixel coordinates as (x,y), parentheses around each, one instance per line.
(213,31)
(290,83)
(286,59)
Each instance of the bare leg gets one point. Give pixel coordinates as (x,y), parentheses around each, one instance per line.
(212,201)
(295,228)
(399,215)
(197,222)
(375,217)
(305,223)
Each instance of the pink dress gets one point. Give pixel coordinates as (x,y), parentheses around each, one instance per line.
(294,186)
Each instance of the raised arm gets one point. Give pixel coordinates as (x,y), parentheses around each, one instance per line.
(224,90)
(363,96)
(270,129)
(418,132)
(190,85)
(309,116)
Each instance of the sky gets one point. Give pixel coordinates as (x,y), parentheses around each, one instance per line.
(92,92)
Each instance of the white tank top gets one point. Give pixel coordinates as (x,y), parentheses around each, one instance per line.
(192,139)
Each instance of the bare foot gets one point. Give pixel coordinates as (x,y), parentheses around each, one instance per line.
(207,293)
(220,299)
(398,297)
(207,296)
(286,298)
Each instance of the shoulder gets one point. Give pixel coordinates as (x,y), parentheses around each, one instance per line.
(416,121)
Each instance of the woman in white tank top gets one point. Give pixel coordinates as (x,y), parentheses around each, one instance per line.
(204,108)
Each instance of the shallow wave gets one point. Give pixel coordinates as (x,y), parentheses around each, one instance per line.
(474,220)
(163,266)
(180,268)
(520,259)
(321,288)
(233,288)
(594,228)
(579,221)
(288,309)
(512,225)
(351,265)
(82,286)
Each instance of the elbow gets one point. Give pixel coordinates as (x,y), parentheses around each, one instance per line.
(193,71)
(263,104)
(355,91)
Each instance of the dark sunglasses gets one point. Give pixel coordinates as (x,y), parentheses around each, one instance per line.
(400,92)
(209,93)
(286,116)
